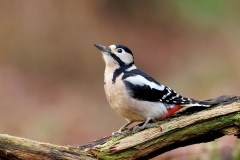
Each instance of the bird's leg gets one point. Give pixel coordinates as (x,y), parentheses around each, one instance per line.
(122,128)
(146,125)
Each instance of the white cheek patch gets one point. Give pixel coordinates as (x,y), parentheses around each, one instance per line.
(141,81)
(125,57)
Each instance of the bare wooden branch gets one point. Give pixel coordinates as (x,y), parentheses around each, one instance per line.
(14,148)
(185,129)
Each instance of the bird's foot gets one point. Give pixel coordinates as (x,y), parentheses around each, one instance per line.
(119,132)
(149,125)
(123,128)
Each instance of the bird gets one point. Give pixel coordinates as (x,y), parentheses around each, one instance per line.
(135,95)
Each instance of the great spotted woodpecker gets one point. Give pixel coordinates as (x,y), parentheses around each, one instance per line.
(135,95)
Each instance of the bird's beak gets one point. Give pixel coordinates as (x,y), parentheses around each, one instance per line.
(102,48)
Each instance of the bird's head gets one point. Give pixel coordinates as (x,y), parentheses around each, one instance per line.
(116,54)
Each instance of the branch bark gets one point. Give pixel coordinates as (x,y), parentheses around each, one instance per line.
(189,127)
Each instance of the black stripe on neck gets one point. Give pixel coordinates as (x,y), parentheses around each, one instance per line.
(119,71)
(116,58)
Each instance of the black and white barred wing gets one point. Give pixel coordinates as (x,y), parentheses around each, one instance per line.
(142,87)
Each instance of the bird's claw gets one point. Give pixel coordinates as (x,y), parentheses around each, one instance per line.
(140,128)
(116,133)
(119,132)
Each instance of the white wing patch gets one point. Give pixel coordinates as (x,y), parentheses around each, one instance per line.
(141,81)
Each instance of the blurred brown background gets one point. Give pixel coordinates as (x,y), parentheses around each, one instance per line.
(51,75)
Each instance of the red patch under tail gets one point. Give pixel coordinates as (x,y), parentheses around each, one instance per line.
(171,111)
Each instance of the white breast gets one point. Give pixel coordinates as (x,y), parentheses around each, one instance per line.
(125,105)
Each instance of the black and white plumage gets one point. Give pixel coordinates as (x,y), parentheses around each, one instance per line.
(135,95)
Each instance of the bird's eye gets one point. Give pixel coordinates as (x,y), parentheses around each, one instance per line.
(119,50)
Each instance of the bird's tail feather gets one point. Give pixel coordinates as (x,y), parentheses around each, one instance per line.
(214,102)
(201,104)
(225,99)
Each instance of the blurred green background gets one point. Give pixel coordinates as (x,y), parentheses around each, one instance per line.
(51,75)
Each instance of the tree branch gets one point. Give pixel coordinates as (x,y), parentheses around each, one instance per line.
(188,127)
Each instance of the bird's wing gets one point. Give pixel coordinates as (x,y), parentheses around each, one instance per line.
(143,87)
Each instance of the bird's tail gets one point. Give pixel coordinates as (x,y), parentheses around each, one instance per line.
(205,103)
(189,102)
(213,102)
(225,99)
(201,104)
(193,105)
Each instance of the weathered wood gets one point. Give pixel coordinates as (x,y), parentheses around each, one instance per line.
(14,148)
(185,129)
